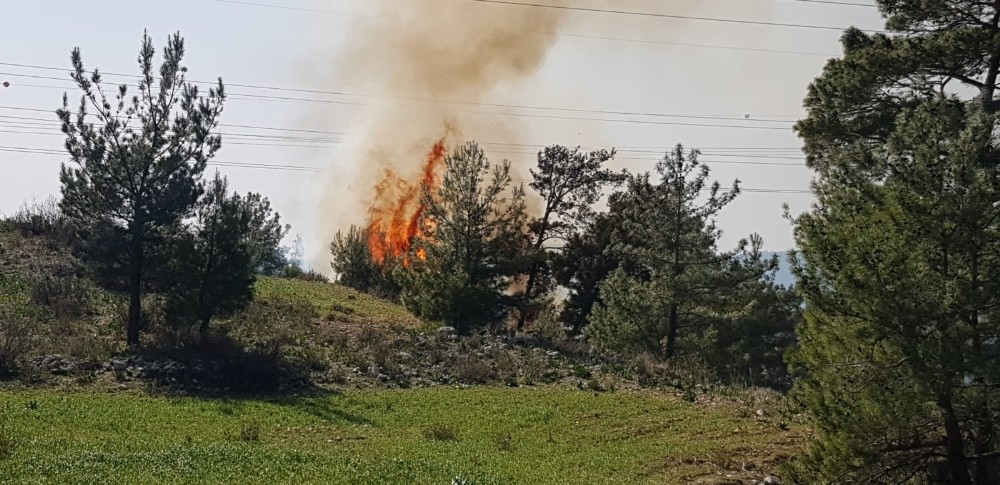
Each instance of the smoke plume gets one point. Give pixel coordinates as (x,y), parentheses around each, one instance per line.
(425,65)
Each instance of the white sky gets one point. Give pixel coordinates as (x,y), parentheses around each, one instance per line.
(267,46)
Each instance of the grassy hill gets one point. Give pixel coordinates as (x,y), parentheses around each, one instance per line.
(364,393)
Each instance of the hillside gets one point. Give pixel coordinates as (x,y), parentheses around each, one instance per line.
(317,383)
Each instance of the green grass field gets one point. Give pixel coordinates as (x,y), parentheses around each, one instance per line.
(378,437)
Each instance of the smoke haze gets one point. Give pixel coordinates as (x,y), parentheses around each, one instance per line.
(425,53)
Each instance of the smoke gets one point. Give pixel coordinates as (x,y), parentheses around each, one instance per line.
(415,61)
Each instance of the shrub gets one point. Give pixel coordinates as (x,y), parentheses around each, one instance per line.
(68,298)
(504,442)
(42,219)
(8,444)
(250,432)
(441,432)
(471,370)
(684,372)
(17,337)
(294,272)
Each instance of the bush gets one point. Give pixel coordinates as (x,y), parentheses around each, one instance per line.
(441,432)
(19,330)
(8,444)
(684,372)
(250,432)
(247,353)
(17,337)
(42,219)
(471,370)
(297,273)
(68,298)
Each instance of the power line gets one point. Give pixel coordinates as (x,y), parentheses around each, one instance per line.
(560,34)
(758,152)
(300,168)
(423,100)
(669,16)
(835,2)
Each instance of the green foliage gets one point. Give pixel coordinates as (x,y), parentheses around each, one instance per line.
(355,268)
(898,351)
(672,277)
(472,245)
(586,261)
(569,182)
(136,171)
(897,358)
(933,47)
(376,437)
(214,261)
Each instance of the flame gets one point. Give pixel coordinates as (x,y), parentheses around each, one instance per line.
(394,219)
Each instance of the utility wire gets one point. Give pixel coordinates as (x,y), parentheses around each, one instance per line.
(775,119)
(299,168)
(669,16)
(560,34)
(33,123)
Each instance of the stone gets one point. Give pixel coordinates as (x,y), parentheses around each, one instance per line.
(122,387)
(383,377)
(760,413)
(771,480)
(119,365)
(447,332)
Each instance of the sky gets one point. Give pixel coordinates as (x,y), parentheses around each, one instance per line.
(635,82)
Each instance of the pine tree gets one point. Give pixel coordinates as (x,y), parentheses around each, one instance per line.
(678,280)
(933,46)
(136,171)
(215,260)
(902,282)
(569,183)
(897,265)
(472,244)
(355,268)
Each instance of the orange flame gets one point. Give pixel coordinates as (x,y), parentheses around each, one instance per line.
(394,219)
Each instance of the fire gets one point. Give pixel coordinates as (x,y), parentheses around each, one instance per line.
(394,219)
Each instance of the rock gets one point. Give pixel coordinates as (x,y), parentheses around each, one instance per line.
(122,387)
(383,377)
(760,413)
(119,365)
(771,480)
(447,332)
(552,354)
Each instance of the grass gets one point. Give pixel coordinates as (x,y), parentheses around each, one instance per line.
(336,302)
(503,436)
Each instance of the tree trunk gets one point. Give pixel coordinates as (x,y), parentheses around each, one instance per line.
(203,329)
(958,463)
(986,466)
(135,292)
(529,287)
(671,332)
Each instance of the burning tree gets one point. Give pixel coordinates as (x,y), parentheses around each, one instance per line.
(468,243)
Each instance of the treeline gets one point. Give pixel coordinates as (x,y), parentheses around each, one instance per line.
(644,276)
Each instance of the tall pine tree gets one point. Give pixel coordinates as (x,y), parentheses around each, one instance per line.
(679,283)
(897,350)
(136,171)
